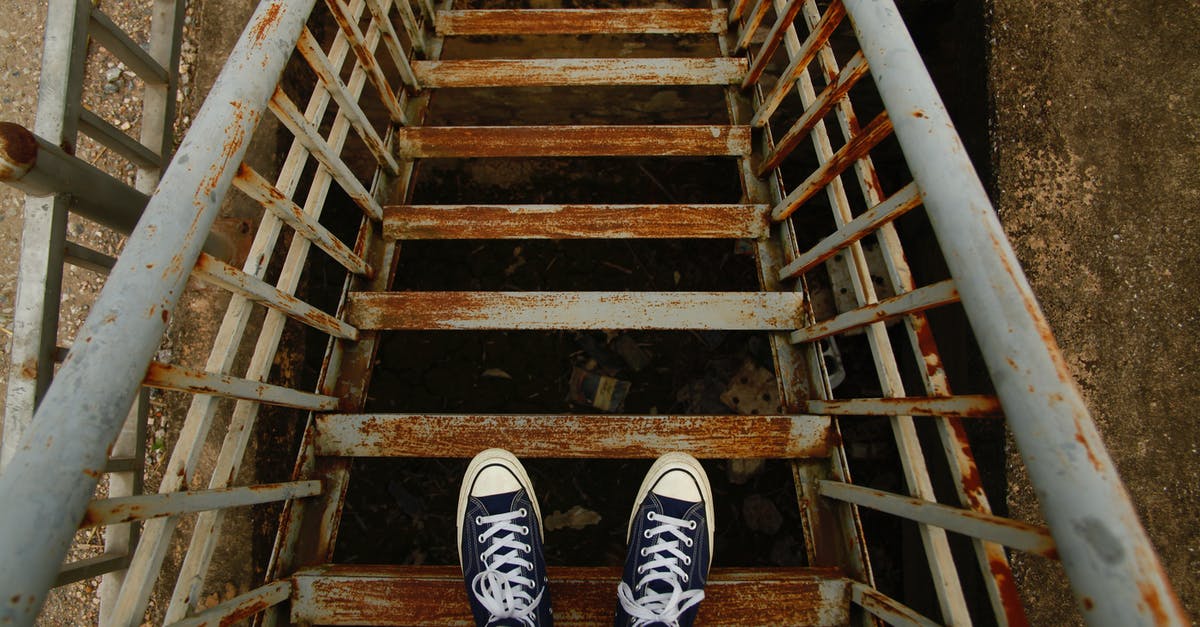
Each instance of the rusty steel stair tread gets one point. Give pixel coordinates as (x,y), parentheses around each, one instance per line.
(335,594)
(573,435)
(427,311)
(575,221)
(581,21)
(471,73)
(427,142)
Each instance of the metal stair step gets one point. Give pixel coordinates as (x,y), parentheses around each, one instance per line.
(570,72)
(581,21)
(730,311)
(434,595)
(572,435)
(575,221)
(426,142)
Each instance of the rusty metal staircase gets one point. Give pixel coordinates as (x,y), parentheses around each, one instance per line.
(812,197)
(354,595)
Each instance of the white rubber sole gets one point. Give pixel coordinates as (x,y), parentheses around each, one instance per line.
(488,457)
(688,464)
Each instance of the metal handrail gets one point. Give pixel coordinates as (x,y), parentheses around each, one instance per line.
(55,470)
(1113,568)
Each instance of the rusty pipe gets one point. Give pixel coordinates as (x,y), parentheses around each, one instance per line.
(39,168)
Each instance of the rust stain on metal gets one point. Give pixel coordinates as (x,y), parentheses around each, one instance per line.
(1009,594)
(928,346)
(1154,603)
(590,71)
(420,595)
(549,310)
(1034,311)
(572,141)
(859,145)
(1088,448)
(972,483)
(575,221)
(558,435)
(263,27)
(29,368)
(774,38)
(235,137)
(580,21)
(245,612)
(832,94)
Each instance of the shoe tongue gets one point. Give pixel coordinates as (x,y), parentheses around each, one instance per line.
(674,508)
(499,503)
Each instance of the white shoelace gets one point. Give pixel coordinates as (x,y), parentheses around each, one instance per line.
(663,565)
(505,593)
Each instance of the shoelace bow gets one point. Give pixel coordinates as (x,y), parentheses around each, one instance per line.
(664,607)
(504,592)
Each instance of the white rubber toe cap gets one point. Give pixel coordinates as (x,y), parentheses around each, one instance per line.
(679,485)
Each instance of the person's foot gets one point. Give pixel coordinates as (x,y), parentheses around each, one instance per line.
(670,545)
(500,543)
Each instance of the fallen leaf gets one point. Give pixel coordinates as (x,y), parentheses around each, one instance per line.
(575,518)
(211,600)
(496,373)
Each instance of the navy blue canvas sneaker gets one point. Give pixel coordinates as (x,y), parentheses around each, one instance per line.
(670,545)
(500,543)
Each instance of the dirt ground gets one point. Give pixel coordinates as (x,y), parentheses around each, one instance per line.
(1094,133)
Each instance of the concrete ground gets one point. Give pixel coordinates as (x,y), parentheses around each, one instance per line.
(1095,134)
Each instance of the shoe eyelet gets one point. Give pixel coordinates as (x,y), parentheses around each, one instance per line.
(642,552)
(523,512)
(641,570)
(480,537)
(685,579)
(524,530)
(687,542)
(649,515)
(479,520)
(687,561)
(692,525)
(646,534)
